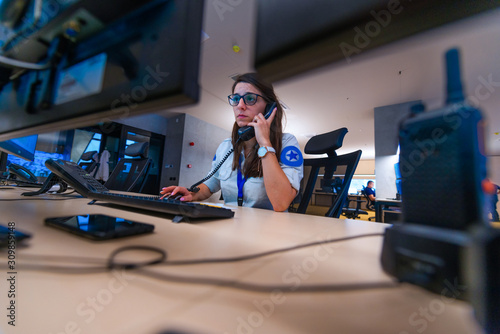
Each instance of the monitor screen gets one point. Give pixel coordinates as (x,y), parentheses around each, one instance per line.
(399,179)
(21,147)
(37,165)
(96,61)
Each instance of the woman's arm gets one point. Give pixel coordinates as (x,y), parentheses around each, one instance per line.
(278,187)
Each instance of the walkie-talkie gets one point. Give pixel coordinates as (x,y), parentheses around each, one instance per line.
(442,160)
(442,164)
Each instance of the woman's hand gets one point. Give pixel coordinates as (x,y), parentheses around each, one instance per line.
(186,195)
(176,191)
(262,128)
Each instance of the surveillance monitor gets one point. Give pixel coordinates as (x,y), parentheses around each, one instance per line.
(76,63)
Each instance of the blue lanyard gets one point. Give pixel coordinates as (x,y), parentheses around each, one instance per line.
(241,182)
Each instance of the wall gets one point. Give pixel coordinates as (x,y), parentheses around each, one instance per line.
(366,167)
(206,138)
(181,130)
(387,119)
(494,168)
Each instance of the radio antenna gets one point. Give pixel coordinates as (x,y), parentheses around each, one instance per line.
(454,90)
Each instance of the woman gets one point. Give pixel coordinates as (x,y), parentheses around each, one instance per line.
(264,171)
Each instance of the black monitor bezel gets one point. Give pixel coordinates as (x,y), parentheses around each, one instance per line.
(176,49)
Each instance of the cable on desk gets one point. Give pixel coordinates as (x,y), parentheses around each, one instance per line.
(112,264)
(161,259)
(232,284)
(268,288)
(67,194)
(267,253)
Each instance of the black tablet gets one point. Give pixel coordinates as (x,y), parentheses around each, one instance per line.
(99,227)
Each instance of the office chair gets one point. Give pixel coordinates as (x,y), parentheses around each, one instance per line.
(89,163)
(369,203)
(343,166)
(353,213)
(130,174)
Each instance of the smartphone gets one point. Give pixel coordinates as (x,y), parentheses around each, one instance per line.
(99,227)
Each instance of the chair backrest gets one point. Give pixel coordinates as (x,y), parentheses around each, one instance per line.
(343,167)
(89,163)
(338,170)
(130,174)
(326,143)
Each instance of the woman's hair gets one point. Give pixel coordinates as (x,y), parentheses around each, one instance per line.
(251,166)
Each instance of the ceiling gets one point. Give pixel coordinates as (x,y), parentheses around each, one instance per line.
(345,94)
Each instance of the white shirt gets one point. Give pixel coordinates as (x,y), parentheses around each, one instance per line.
(103,170)
(254,191)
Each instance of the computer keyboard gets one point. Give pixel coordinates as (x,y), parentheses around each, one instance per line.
(89,187)
(171,206)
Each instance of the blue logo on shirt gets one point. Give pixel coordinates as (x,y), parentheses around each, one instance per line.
(291,156)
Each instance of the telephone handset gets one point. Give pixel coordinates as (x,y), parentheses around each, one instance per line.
(22,173)
(248,132)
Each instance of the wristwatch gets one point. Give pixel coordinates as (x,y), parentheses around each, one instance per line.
(263,150)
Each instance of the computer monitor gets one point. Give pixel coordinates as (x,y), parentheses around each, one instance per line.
(95,61)
(21,147)
(297,36)
(399,180)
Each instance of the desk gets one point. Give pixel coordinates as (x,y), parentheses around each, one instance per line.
(381,203)
(321,198)
(130,303)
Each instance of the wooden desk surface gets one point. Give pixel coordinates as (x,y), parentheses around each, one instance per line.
(51,302)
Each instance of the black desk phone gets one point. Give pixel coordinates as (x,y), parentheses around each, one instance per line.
(22,173)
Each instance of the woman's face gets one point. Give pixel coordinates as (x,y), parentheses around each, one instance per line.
(243,113)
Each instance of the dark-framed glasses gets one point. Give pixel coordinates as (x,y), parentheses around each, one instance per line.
(249,99)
